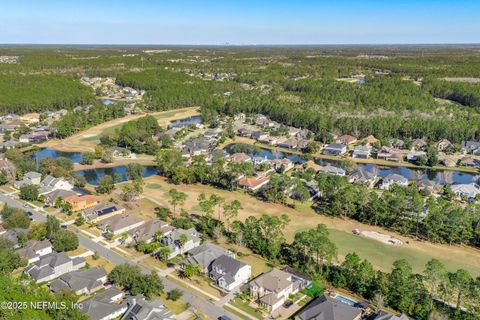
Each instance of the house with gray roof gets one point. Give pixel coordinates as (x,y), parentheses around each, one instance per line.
(382,315)
(120,223)
(13,235)
(392,179)
(33,250)
(50,183)
(272,289)
(204,255)
(196,147)
(29,178)
(173,241)
(472,147)
(335,149)
(84,281)
(361,175)
(468,190)
(229,273)
(106,305)
(51,197)
(53,265)
(335,171)
(147,231)
(328,308)
(102,211)
(141,309)
(362,152)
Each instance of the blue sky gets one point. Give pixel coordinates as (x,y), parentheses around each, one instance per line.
(239,21)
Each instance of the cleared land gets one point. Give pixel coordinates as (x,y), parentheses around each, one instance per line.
(88,139)
(380,254)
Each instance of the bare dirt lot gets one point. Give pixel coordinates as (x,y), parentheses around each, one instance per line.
(382,255)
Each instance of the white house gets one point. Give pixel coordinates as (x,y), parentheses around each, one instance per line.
(392,179)
(468,190)
(33,250)
(229,273)
(50,184)
(53,265)
(173,241)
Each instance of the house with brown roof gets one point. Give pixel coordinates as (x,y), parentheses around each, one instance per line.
(148,231)
(346,139)
(80,203)
(371,140)
(240,157)
(102,211)
(120,223)
(444,145)
(253,183)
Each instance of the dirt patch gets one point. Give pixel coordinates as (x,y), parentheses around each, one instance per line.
(385,238)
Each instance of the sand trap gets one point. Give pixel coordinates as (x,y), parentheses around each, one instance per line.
(89,135)
(385,238)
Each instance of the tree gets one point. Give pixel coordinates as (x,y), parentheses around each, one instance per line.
(17,219)
(230,210)
(80,220)
(164,253)
(134,171)
(29,192)
(432,156)
(174,294)
(3,177)
(9,258)
(190,270)
(131,191)
(182,240)
(88,158)
(435,274)
(162,213)
(176,198)
(401,287)
(107,156)
(64,240)
(105,184)
(132,279)
(461,281)
(53,226)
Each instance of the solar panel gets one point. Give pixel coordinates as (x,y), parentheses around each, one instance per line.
(106,211)
(136,309)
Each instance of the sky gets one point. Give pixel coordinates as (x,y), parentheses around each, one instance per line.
(239,22)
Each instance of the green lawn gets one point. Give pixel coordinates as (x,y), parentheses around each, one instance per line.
(315,290)
(383,255)
(238,303)
(154,186)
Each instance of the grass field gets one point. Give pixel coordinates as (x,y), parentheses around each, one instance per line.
(244,306)
(303,217)
(315,290)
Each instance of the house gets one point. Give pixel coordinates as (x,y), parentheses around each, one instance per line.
(174,239)
(396,143)
(120,223)
(79,203)
(430,186)
(283,165)
(52,266)
(263,121)
(212,133)
(244,132)
(346,139)
(468,190)
(472,147)
(444,145)
(470,162)
(239,117)
(148,231)
(392,179)
(371,140)
(51,197)
(389,154)
(34,137)
(361,175)
(240,157)
(257,160)
(29,178)
(50,183)
(204,255)
(102,211)
(141,309)
(447,160)
(419,144)
(259,135)
(416,155)
(312,188)
(303,144)
(9,144)
(253,183)
(328,308)
(171,133)
(273,288)
(196,147)
(119,152)
(310,164)
(83,281)
(334,149)
(106,305)
(336,171)
(362,152)
(382,315)
(33,250)
(292,131)
(300,279)
(289,144)
(229,273)
(14,235)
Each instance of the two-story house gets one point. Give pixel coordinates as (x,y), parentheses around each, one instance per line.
(228,273)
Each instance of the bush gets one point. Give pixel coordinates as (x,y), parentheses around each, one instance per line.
(174,294)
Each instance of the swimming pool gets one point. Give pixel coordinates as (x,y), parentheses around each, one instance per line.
(345,300)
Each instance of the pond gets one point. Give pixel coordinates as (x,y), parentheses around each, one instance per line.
(93,176)
(180,123)
(443,177)
(76,157)
(108,101)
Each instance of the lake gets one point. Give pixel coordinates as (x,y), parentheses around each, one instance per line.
(180,123)
(108,101)
(94,175)
(76,157)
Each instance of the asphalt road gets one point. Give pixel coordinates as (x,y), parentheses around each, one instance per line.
(199,303)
